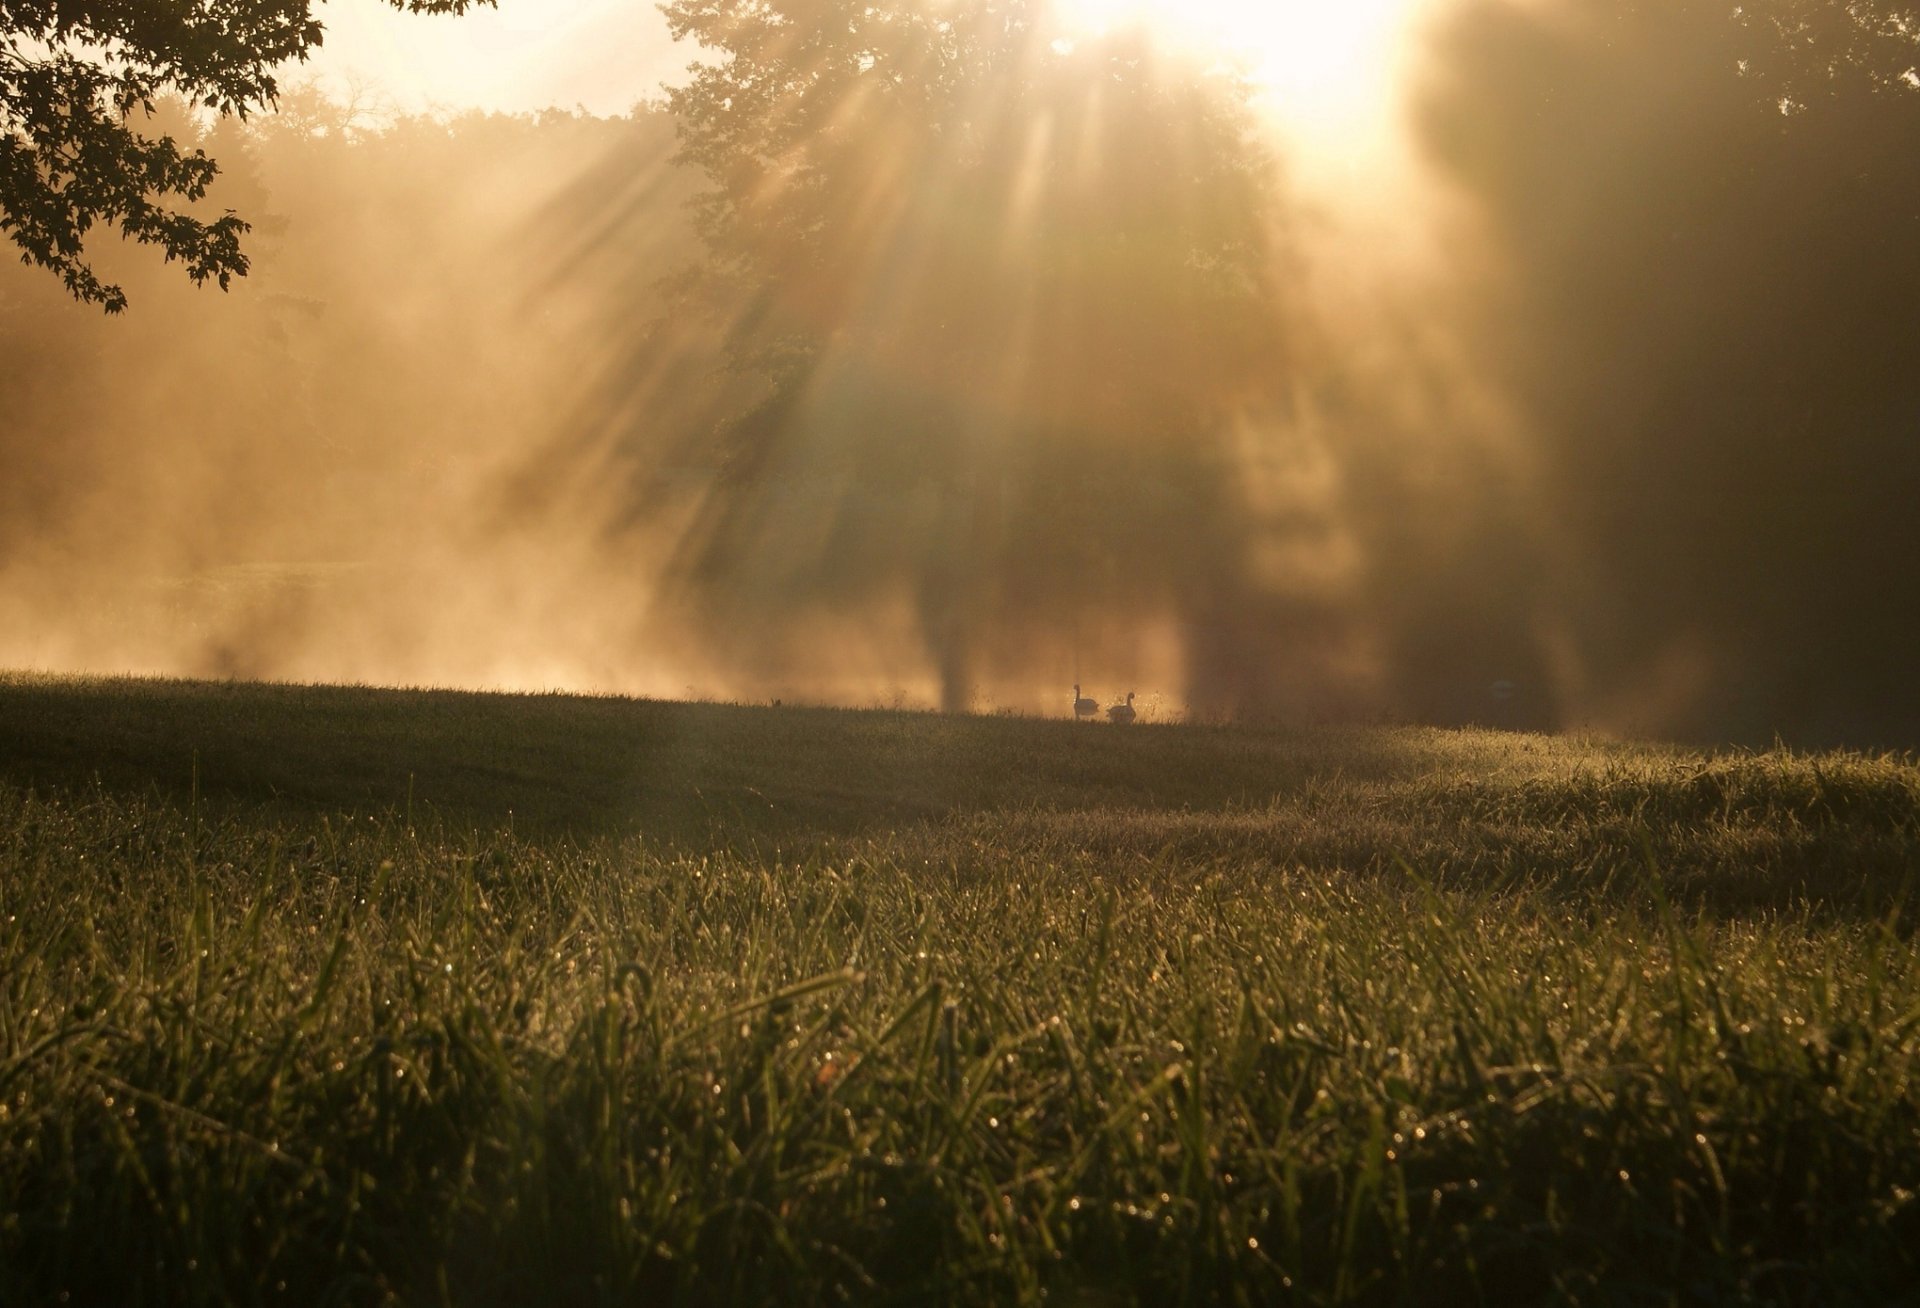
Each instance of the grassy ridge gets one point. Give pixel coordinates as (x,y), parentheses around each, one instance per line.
(689,771)
(745,1003)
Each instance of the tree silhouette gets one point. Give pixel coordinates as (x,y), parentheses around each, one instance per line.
(1713,289)
(1006,287)
(1802,54)
(73,76)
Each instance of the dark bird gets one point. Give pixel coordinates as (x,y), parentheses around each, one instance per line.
(1122,713)
(1083,707)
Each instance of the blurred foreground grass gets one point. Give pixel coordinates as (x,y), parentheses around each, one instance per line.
(348,996)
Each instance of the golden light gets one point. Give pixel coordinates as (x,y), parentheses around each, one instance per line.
(1329,70)
(518,57)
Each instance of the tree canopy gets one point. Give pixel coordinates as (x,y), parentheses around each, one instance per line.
(986,170)
(1705,318)
(1007,285)
(76,79)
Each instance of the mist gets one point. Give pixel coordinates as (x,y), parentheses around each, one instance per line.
(1035,362)
(1700,308)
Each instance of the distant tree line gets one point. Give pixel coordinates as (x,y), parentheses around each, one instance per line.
(360,398)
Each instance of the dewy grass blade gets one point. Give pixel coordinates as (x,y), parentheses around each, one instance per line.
(1179,1031)
(788,995)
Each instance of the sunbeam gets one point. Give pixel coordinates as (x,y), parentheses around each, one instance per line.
(1330,72)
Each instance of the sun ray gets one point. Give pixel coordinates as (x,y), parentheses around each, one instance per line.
(1329,72)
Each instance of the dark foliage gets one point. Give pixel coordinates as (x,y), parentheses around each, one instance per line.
(74,80)
(1710,235)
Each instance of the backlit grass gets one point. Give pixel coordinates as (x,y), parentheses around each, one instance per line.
(756,1005)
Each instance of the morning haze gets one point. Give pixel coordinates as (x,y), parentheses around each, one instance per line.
(952,356)
(1244,652)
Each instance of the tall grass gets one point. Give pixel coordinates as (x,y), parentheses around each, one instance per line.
(1519,1021)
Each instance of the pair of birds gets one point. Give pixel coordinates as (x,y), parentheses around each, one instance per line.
(1089,708)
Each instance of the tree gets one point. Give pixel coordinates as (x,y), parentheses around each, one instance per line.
(75,75)
(1014,163)
(1006,285)
(1803,54)
(1709,225)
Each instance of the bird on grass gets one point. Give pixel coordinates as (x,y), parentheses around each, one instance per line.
(1122,713)
(1082,706)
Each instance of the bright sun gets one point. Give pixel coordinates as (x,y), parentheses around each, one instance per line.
(1330,68)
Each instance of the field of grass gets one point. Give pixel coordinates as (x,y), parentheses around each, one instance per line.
(349,996)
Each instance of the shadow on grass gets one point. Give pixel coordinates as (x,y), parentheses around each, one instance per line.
(1733,833)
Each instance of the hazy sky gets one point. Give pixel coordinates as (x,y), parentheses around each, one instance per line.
(1333,67)
(602,55)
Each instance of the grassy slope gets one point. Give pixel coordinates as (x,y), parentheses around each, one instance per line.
(727,1002)
(687,769)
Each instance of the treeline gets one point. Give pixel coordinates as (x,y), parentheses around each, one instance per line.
(955,363)
(313,474)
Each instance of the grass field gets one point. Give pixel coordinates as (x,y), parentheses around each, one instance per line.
(354,996)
